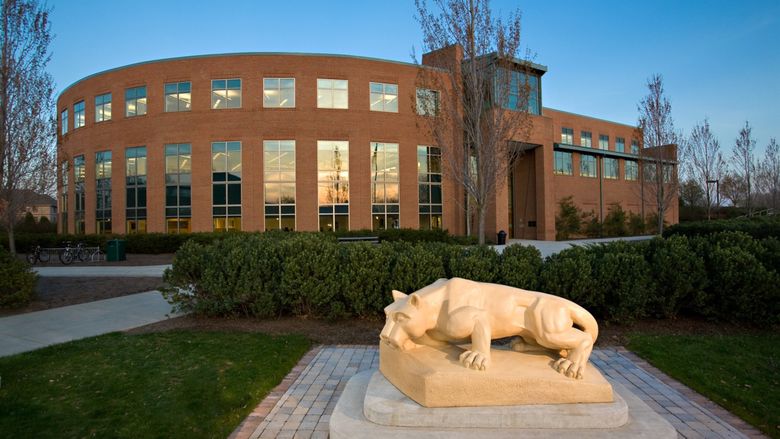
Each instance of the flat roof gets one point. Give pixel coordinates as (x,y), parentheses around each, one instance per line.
(214,55)
(589,117)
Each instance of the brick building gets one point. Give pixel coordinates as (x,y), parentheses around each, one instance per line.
(262,141)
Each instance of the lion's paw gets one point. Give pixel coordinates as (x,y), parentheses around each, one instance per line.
(475,360)
(572,369)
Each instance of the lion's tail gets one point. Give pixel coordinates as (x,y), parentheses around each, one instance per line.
(586,321)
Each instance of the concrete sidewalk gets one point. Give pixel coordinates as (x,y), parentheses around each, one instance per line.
(26,332)
(549,248)
(105,271)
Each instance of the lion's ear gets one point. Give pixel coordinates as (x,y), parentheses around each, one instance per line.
(414,300)
(397,295)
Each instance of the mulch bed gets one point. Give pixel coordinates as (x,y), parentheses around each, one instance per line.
(54,292)
(366,331)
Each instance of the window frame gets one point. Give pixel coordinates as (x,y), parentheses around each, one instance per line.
(428,179)
(227,87)
(135,99)
(592,160)
(561,168)
(178,94)
(325,179)
(279,89)
(383,94)
(420,106)
(332,90)
(101,115)
(282,209)
(79,117)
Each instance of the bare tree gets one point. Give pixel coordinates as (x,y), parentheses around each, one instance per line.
(27,123)
(769,173)
(732,188)
(659,149)
(703,161)
(744,161)
(473,122)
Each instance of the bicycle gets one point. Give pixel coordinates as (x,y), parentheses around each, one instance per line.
(67,254)
(81,252)
(38,255)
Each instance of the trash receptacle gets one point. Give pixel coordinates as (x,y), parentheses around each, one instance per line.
(115,250)
(501,238)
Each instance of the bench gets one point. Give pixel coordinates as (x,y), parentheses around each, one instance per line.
(351,239)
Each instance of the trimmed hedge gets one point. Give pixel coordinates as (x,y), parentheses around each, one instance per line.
(759,227)
(17,281)
(727,276)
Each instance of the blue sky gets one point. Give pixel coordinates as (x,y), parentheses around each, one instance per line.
(719,59)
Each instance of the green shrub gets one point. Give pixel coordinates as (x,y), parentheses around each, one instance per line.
(771,253)
(520,267)
(623,276)
(636,225)
(568,221)
(414,266)
(757,227)
(592,226)
(17,281)
(366,277)
(679,274)
(478,263)
(615,221)
(569,274)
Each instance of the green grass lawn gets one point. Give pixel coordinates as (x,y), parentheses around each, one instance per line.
(187,384)
(740,372)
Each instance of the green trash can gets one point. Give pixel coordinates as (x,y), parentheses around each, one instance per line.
(115,250)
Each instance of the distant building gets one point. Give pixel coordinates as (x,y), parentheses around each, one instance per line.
(263,141)
(38,205)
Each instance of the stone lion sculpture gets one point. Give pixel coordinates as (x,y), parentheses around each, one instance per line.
(458,310)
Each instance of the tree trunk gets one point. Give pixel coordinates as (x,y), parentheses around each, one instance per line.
(482,212)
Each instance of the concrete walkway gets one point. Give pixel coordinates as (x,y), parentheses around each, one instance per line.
(26,332)
(106,271)
(548,248)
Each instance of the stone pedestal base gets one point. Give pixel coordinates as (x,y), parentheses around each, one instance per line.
(348,419)
(433,377)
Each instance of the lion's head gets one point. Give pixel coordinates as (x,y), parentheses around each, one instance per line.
(405,321)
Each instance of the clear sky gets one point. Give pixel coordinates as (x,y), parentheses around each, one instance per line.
(719,59)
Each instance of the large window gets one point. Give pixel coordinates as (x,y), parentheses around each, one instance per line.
(610,168)
(332,93)
(586,139)
(178,187)
(632,170)
(79,178)
(634,147)
(427,102)
(135,101)
(519,83)
(620,144)
(384,186)
(429,187)
(567,136)
(279,92)
(135,189)
(333,184)
(178,96)
(103,107)
(279,186)
(78,115)
(603,141)
(64,122)
(64,196)
(562,163)
(384,97)
(587,166)
(668,173)
(226,93)
(103,191)
(226,185)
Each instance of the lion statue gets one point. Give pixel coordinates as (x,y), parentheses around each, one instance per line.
(458,310)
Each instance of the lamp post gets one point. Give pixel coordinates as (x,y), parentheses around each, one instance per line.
(717,194)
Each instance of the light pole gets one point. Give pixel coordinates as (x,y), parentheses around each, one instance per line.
(717,194)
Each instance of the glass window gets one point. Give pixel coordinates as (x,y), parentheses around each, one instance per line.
(78,115)
(279,92)
(178,187)
(585,139)
(668,173)
(603,141)
(587,166)
(427,102)
(429,176)
(567,136)
(226,185)
(64,195)
(135,188)
(385,199)
(620,144)
(103,191)
(519,83)
(610,168)
(384,97)
(562,163)
(279,185)
(64,122)
(333,184)
(332,93)
(632,170)
(135,101)
(226,93)
(79,177)
(103,107)
(634,147)
(178,96)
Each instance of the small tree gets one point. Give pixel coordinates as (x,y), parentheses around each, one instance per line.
(472,123)
(568,222)
(744,161)
(769,173)
(703,161)
(659,142)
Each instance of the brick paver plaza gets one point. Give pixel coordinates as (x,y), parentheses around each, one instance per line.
(301,405)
